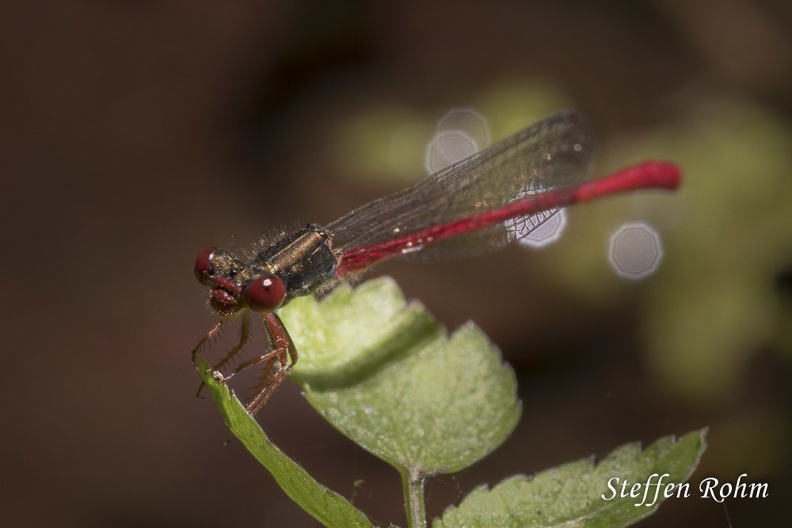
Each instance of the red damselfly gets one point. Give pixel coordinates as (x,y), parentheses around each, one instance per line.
(495,196)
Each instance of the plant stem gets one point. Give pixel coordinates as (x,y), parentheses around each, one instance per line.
(414,500)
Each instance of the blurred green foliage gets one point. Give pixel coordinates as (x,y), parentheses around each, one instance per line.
(715,303)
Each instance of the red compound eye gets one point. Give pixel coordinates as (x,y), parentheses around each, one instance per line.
(265,294)
(203,265)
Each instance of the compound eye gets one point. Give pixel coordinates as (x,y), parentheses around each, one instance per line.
(203,266)
(265,294)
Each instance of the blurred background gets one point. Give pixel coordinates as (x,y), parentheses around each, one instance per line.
(134,134)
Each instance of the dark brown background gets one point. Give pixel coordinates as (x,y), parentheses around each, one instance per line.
(133,134)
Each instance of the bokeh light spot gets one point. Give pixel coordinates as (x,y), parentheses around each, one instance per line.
(469,121)
(461,132)
(447,147)
(635,251)
(547,232)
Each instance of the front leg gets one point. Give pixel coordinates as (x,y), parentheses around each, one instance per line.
(280,359)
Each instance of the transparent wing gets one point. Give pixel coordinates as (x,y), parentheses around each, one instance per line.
(555,153)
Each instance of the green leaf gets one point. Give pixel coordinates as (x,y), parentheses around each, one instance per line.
(324,505)
(387,376)
(572,494)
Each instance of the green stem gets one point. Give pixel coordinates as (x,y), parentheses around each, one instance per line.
(414,500)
